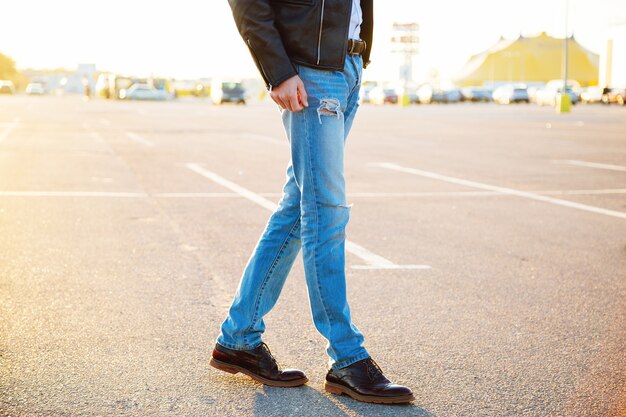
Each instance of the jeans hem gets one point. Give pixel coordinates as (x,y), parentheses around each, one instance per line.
(237,347)
(348,362)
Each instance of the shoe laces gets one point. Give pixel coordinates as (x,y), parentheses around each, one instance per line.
(373,370)
(266,349)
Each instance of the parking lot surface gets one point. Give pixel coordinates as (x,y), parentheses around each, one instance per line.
(487,264)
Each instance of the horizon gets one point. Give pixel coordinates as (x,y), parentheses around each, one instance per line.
(186,49)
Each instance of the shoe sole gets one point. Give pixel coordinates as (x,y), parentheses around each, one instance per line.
(340,389)
(233,369)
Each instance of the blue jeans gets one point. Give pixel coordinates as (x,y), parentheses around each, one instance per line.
(312,214)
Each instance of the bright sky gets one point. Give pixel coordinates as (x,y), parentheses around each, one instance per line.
(197,38)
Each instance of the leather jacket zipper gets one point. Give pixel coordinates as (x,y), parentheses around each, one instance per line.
(249,42)
(319,39)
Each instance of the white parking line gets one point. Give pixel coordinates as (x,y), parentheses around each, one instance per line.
(372,260)
(502,190)
(5,133)
(470,193)
(196,195)
(72,194)
(584,192)
(139,139)
(587,164)
(96,136)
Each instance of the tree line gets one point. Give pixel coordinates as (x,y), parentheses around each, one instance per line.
(8,71)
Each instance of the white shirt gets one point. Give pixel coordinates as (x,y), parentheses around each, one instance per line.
(355,20)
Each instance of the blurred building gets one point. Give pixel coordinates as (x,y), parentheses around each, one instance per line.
(62,81)
(531,60)
(613,59)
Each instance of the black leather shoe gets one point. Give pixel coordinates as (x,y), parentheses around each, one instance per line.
(364,381)
(258,364)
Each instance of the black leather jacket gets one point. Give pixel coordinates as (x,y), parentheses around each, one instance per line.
(312,33)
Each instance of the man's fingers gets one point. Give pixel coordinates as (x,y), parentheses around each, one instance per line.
(277,100)
(286,103)
(291,94)
(302,95)
(294,104)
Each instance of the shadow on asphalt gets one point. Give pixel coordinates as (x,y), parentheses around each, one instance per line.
(307,401)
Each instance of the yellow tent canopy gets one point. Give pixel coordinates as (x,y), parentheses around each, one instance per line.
(531,60)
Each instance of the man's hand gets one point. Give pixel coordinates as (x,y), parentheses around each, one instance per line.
(290,94)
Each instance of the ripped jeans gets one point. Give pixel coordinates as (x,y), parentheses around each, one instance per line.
(312,214)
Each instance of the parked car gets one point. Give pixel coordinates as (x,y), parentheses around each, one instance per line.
(383,95)
(532,91)
(548,96)
(428,94)
(477,94)
(591,95)
(615,96)
(141,91)
(227,92)
(7,87)
(510,93)
(35,89)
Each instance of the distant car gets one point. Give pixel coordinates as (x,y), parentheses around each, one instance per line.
(591,95)
(615,96)
(428,94)
(548,96)
(227,92)
(7,87)
(35,89)
(141,91)
(383,95)
(508,94)
(477,94)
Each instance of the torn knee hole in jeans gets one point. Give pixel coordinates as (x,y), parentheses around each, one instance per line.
(329,107)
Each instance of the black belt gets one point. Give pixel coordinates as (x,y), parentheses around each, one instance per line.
(356,46)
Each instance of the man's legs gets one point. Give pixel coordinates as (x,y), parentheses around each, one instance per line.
(314,195)
(265,273)
(317,135)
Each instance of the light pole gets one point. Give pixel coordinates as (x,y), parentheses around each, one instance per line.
(407,39)
(563,101)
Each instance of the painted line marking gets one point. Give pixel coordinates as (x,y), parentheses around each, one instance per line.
(372,260)
(236,195)
(587,164)
(585,192)
(469,193)
(139,139)
(502,190)
(196,195)
(7,130)
(72,194)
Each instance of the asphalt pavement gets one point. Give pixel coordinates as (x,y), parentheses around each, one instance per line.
(486,264)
